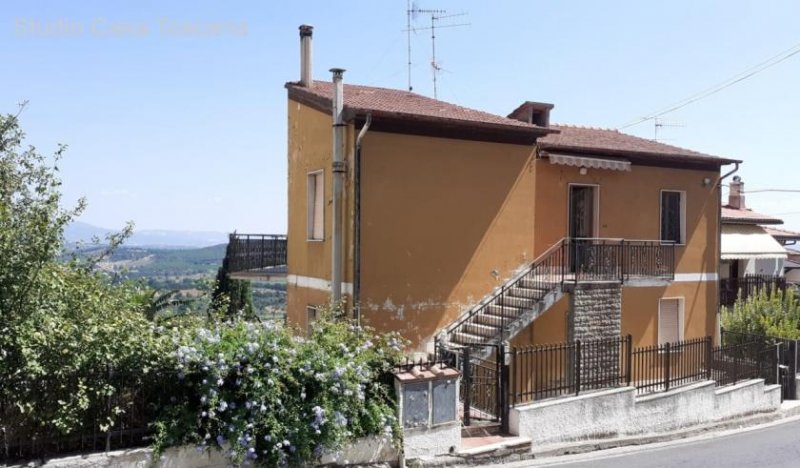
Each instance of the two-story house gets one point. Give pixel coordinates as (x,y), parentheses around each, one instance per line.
(452,224)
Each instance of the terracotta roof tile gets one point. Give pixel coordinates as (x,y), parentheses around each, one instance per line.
(613,142)
(783,234)
(398,103)
(737,216)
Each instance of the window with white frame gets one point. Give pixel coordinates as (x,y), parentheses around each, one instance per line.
(316,206)
(673,216)
(670,320)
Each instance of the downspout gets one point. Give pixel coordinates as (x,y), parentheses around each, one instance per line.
(338,168)
(718,338)
(357,223)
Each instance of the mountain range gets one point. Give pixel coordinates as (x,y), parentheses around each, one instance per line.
(79,231)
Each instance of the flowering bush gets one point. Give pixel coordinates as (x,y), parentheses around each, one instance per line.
(267,397)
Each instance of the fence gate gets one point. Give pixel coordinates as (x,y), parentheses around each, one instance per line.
(787,369)
(484,385)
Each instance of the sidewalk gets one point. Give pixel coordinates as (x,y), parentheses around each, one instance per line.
(541,455)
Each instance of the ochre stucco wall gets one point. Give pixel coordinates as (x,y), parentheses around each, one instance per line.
(310,143)
(438,217)
(630,204)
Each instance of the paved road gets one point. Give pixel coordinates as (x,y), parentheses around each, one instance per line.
(774,446)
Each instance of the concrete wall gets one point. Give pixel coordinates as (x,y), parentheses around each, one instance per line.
(618,412)
(428,442)
(365,451)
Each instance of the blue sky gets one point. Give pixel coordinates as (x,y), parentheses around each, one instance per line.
(180,131)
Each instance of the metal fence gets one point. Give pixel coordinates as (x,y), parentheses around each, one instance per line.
(754,360)
(247,252)
(731,289)
(545,371)
(661,367)
(118,411)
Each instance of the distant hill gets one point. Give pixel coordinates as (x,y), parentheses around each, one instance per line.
(185,269)
(79,231)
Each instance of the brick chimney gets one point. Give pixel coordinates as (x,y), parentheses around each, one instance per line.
(536,113)
(736,194)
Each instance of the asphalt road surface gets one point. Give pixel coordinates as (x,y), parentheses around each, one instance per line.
(773,446)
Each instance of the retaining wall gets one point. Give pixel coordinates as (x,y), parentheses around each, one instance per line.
(365,451)
(619,412)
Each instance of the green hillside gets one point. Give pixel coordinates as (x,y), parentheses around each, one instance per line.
(190,271)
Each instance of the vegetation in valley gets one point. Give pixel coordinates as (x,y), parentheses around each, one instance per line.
(85,349)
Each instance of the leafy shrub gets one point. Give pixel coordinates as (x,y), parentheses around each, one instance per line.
(775,314)
(265,396)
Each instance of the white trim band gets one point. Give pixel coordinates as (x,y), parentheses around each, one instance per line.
(695,277)
(320,284)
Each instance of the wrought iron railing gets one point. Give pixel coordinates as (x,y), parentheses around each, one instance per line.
(248,252)
(575,260)
(732,288)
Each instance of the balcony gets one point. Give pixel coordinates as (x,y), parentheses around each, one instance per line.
(623,260)
(732,288)
(256,256)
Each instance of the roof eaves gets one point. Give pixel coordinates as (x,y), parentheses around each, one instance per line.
(640,154)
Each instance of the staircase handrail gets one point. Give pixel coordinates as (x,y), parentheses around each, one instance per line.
(510,283)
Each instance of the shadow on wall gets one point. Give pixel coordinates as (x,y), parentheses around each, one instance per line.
(438,216)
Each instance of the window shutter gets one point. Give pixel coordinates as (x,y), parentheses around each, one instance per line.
(319,208)
(669,321)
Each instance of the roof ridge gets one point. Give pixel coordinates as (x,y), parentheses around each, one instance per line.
(588,127)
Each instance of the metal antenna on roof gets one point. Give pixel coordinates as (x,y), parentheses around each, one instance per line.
(659,123)
(436,16)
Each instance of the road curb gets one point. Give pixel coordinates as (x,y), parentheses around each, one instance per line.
(548,452)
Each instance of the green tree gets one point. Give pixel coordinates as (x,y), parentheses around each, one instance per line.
(65,329)
(233,296)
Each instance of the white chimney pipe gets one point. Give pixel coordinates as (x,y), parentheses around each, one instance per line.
(306,32)
(338,184)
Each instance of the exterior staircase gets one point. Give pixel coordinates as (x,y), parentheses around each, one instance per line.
(510,308)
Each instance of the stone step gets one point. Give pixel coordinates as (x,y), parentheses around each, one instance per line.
(492,320)
(487,330)
(464,338)
(509,312)
(489,450)
(541,284)
(528,293)
(515,301)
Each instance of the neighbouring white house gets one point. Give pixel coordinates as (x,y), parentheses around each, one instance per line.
(748,247)
(753,252)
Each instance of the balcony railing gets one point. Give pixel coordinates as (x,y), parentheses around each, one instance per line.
(732,288)
(255,252)
(618,260)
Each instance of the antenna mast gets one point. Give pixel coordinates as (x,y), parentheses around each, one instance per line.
(436,15)
(659,123)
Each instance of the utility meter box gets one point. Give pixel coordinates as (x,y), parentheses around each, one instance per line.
(428,395)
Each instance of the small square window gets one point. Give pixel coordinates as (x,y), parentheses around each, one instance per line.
(316,206)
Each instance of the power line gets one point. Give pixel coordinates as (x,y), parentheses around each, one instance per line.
(754,70)
(746,192)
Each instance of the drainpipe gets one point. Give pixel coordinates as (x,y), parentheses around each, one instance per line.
(357,223)
(338,183)
(718,338)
